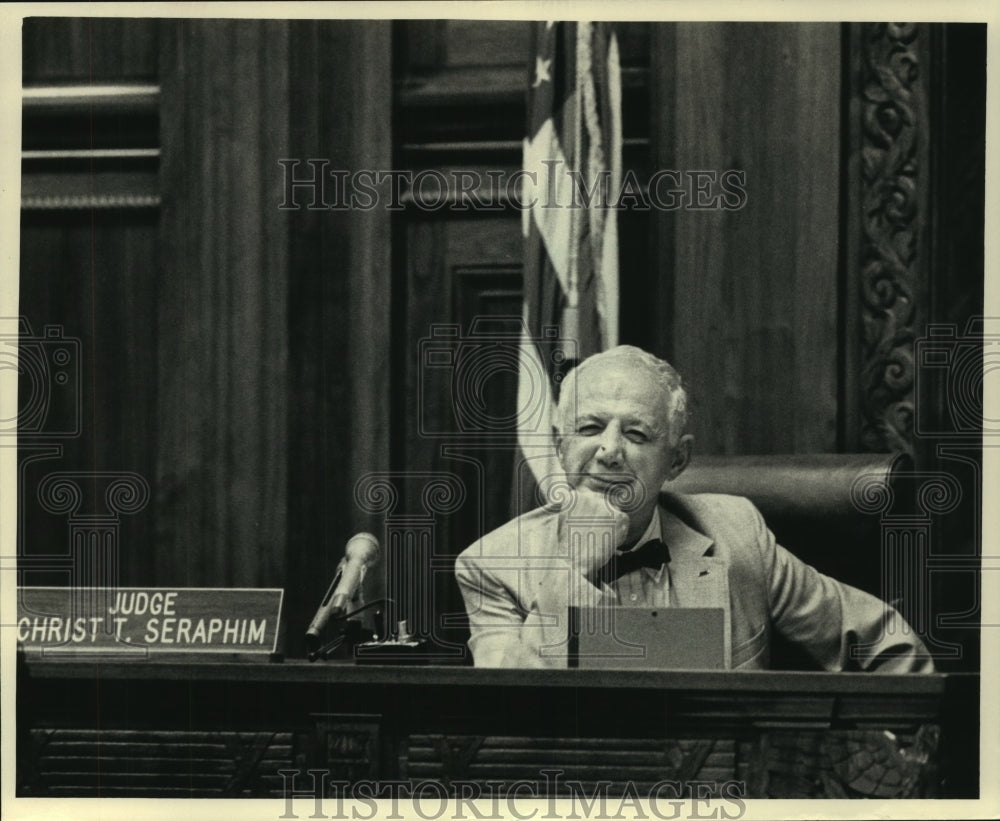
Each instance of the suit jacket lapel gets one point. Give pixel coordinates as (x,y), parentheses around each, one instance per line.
(697,578)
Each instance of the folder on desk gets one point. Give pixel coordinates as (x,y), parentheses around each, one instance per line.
(645,638)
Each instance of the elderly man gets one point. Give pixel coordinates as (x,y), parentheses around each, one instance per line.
(620,435)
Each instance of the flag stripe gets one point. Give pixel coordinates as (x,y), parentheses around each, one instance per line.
(573,151)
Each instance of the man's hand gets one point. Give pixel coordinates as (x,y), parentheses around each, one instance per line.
(591,528)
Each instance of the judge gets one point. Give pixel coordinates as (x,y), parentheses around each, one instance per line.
(620,436)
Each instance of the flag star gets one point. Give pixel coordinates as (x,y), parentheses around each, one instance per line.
(542,72)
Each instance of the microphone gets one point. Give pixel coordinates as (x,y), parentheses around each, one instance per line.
(361,552)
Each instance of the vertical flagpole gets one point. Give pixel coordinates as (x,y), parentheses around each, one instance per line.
(570,325)
(609,248)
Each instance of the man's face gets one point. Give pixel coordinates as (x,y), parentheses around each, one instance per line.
(618,434)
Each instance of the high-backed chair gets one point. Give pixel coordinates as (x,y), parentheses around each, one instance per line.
(827,509)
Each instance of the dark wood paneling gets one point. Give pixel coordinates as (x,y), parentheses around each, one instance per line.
(90,277)
(339,296)
(370,286)
(221,481)
(461,274)
(958,117)
(89,49)
(754,320)
(658,282)
(951,428)
(621,763)
(478,43)
(264,358)
(122,763)
(88,286)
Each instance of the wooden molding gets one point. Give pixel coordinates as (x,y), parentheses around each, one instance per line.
(90,146)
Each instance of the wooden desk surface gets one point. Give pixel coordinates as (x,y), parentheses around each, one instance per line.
(327,672)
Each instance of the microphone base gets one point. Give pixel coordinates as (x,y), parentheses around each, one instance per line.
(341,646)
(413,651)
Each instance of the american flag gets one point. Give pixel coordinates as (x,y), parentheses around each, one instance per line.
(572,159)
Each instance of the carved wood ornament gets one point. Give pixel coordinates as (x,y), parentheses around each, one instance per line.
(893,125)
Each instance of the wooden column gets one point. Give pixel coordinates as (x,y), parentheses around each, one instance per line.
(221,436)
(339,303)
(753,309)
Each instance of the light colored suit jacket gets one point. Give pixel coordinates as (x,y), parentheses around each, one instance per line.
(517,588)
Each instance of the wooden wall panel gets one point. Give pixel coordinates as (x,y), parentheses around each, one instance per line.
(463,273)
(90,277)
(754,302)
(945,439)
(235,355)
(659,291)
(93,49)
(471,42)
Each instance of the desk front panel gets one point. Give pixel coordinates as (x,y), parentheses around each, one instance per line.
(244,729)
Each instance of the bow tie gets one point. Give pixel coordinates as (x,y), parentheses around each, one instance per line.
(653,554)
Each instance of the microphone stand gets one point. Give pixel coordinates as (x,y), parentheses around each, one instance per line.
(400,648)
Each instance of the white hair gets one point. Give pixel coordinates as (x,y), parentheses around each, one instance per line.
(662,373)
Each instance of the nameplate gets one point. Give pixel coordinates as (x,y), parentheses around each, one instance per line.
(140,620)
(647,638)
